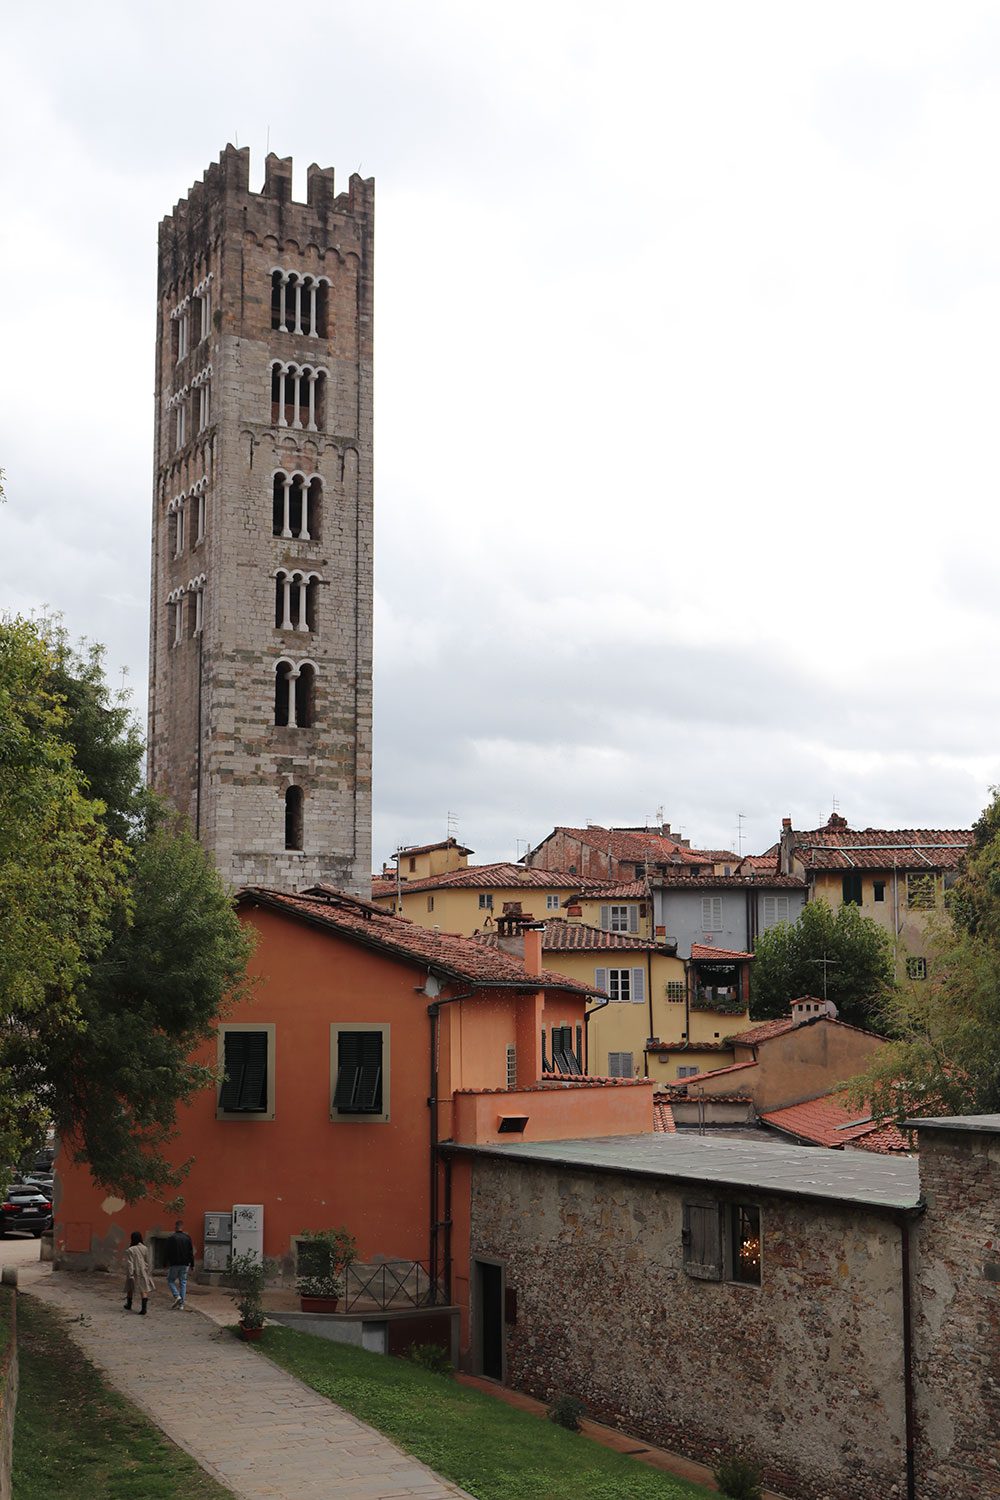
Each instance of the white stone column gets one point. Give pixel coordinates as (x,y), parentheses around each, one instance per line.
(286,527)
(303,625)
(297,397)
(180,530)
(304,522)
(298,304)
(293,673)
(201,516)
(313,377)
(282,313)
(198,598)
(281,398)
(286,606)
(313,325)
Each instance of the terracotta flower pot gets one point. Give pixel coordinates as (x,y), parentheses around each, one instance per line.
(319,1304)
(250,1334)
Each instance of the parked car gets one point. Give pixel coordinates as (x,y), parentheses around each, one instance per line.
(26,1207)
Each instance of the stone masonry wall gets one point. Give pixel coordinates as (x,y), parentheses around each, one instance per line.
(802,1374)
(214,749)
(957,1317)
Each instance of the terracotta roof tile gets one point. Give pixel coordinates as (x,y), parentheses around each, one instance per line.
(723,955)
(750,880)
(763,1033)
(830,1121)
(842,848)
(459,957)
(718,1072)
(639,845)
(561,936)
(619,890)
(500,876)
(663,1117)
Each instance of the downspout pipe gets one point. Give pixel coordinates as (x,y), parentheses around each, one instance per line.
(436,1225)
(649,1003)
(601,1004)
(905,1222)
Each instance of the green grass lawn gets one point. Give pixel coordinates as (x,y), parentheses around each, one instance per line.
(490,1449)
(77,1438)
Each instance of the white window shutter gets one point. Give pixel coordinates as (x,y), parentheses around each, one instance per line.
(633,919)
(781,908)
(601,980)
(638,987)
(605,918)
(769,917)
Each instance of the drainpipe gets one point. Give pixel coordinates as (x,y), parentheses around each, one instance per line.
(908,1408)
(433,1012)
(586,1034)
(649,1000)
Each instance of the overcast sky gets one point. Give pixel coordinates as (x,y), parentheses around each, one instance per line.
(687,383)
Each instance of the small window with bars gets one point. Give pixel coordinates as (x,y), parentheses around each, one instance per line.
(512,1067)
(916,968)
(920,891)
(676,990)
(246,1084)
(360,1089)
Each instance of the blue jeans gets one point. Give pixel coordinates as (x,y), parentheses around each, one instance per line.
(177,1280)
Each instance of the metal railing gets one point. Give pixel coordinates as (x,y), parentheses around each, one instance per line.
(390,1284)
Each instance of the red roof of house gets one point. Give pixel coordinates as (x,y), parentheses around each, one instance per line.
(688,1047)
(767,1030)
(884,1140)
(639,845)
(409,849)
(766,863)
(561,936)
(838,847)
(741,881)
(500,876)
(458,957)
(717,1072)
(618,890)
(723,955)
(830,1121)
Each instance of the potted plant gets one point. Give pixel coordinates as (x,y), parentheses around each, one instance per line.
(324,1256)
(247,1276)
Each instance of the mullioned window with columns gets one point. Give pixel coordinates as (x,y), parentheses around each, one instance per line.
(296,505)
(298,396)
(295,600)
(299,303)
(294,694)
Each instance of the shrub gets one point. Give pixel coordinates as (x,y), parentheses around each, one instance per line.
(738,1478)
(246,1277)
(324,1256)
(566,1411)
(432,1357)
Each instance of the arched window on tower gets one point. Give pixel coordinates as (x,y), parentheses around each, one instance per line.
(294,820)
(305,696)
(299,303)
(296,504)
(298,396)
(295,600)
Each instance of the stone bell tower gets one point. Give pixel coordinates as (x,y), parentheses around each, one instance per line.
(260,695)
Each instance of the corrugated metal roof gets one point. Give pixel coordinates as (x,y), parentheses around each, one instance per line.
(793,1171)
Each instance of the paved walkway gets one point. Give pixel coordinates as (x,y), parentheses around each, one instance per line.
(254,1427)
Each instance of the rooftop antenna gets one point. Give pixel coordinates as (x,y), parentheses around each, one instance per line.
(517,848)
(452,825)
(267,149)
(826,962)
(740,820)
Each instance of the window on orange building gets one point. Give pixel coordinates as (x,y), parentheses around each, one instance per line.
(244,1085)
(358,1089)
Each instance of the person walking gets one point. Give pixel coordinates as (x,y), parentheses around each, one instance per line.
(180,1260)
(138,1277)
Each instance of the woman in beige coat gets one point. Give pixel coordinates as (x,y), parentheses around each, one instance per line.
(138,1277)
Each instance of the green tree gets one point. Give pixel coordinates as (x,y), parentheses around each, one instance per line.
(119,946)
(945,1053)
(61,878)
(853,952)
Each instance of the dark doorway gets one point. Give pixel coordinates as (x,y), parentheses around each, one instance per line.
(489,1285)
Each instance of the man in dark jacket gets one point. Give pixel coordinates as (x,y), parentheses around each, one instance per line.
(180,1260)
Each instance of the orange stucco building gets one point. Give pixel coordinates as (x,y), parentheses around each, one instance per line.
(323,1113)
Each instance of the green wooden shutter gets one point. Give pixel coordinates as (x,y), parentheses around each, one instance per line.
(244,1088)
(359,1073)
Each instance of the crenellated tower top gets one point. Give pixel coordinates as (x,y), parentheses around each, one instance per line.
(223,192)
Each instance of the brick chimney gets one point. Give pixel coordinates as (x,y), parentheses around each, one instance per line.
(574,912)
